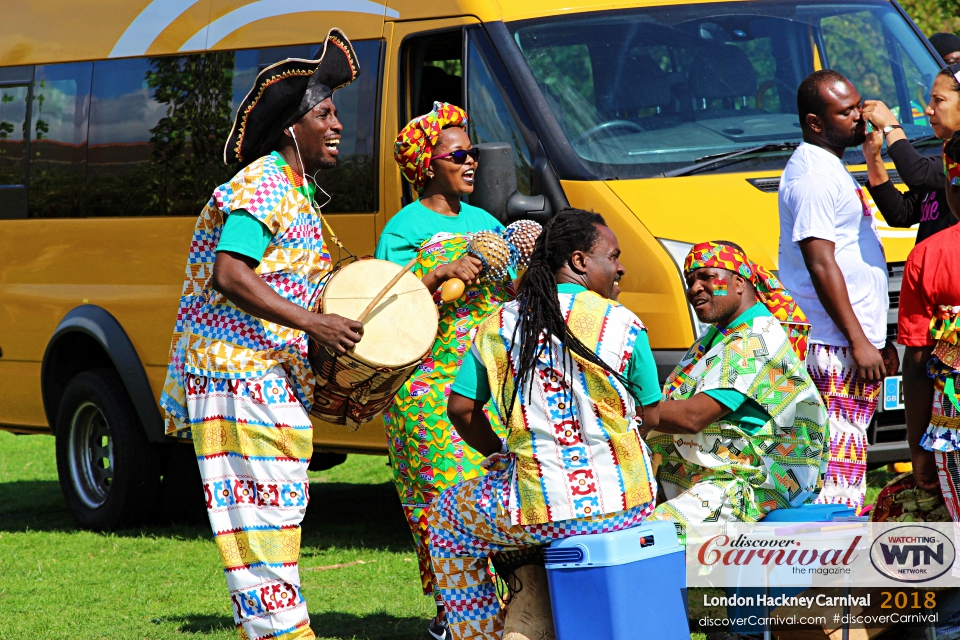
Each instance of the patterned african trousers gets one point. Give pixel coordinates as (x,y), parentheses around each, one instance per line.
(850,404)
(469,523)
(253,441)
(944,444)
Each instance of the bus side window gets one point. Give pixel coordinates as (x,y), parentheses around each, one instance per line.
(157,127)
(494,108)
(14,97)
(58,140)
(353,184)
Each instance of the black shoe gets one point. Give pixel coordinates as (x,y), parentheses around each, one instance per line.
(438,629)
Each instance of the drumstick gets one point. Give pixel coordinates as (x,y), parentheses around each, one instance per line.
(377,298)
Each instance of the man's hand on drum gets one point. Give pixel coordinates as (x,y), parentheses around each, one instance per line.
(467,268)
(336,333)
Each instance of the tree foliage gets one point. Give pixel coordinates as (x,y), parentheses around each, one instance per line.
(934,16)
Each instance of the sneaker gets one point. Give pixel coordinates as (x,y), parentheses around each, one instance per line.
(439,631)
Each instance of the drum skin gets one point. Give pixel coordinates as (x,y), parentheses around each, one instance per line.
(352,389)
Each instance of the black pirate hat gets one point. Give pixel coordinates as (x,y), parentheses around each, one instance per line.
(283,92)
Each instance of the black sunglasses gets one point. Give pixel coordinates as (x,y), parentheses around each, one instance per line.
(460,155)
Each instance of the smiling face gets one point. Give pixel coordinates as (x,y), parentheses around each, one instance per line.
(601,265)
(841,123)
(714,294)
(444,174)
(318,137)
(944,107)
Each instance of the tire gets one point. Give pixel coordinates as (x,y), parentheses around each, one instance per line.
(181,493)
(109,472)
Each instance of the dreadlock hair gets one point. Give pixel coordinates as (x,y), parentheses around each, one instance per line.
(540,318)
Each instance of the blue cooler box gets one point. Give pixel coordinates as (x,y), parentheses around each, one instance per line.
(624,585)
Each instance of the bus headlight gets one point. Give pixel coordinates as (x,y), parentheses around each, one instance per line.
(678,252)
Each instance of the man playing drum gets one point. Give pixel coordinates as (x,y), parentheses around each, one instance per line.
(571,373)
(239,382)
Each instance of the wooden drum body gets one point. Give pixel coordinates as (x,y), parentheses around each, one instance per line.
(400,330)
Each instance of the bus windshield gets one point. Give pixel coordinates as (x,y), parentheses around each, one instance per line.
(646,91)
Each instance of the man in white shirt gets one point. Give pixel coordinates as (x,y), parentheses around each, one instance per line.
(832,261)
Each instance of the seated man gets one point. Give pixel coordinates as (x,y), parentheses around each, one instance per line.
(742,428)
(571,374)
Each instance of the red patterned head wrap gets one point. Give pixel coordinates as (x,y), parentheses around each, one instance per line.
(950,165)
(771,293)
(414,146)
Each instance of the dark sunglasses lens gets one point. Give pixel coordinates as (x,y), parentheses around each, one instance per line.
(460,155)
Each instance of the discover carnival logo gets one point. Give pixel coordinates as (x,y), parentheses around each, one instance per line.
(913,553)
(745,551)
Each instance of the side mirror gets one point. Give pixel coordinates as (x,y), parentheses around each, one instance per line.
(495,187)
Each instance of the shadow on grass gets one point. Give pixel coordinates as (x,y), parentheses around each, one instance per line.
(331,624)
(339,515)
(355,515)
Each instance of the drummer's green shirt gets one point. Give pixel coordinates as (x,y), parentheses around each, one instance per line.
(415,224)
(244,234)
(641,371)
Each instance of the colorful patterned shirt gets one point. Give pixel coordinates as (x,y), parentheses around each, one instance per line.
(213,337)
(777,465)
(575,437)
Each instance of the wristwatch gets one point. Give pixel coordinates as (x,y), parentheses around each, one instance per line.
(890,127)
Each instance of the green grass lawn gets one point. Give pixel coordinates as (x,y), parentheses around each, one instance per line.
(57,581)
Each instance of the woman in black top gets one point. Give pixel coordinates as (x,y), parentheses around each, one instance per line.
(925,202)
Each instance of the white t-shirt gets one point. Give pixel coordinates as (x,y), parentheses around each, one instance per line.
(820,199)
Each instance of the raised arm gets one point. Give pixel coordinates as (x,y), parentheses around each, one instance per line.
(918,172)
(898,209)
(235,278)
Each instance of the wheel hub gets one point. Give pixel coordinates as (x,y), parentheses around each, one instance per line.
(91,455)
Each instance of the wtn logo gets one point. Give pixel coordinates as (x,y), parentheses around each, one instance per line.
(913,553)
(920,552)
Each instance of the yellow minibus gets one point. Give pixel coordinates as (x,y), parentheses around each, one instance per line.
(672,119)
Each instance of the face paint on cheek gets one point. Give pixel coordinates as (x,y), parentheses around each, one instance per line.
(719,287)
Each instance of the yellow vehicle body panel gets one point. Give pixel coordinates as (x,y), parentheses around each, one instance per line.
(145,257)
(725,206)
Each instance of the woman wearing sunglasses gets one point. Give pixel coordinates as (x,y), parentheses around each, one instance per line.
(427,455)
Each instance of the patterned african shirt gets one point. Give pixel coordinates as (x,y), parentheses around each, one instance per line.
(575,435)
(773,467)
(213,337)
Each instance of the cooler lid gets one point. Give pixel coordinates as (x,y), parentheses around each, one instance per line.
(647,540)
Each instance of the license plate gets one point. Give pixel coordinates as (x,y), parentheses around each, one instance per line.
(892,393)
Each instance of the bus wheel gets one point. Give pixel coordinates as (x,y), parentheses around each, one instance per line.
(108,471)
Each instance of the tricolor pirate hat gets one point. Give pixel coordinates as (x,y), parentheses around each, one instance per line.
(284,92)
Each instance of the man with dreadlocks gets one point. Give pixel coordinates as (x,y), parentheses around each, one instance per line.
(571,374)
(742,426)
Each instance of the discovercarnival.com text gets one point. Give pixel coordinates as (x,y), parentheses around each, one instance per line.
(759,621)
(842,619)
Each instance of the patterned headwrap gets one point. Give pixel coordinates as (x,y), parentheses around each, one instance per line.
(414,146)
(950,166)
(769,290)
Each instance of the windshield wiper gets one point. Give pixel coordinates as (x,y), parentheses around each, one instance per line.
(722,158)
